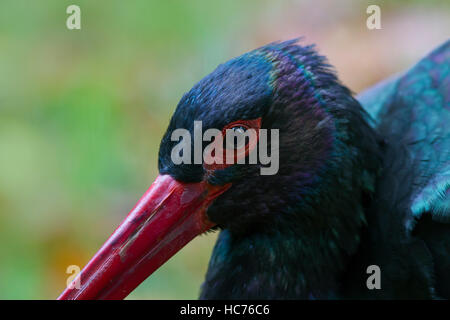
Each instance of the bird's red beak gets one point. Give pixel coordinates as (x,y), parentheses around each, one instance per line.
(166,218)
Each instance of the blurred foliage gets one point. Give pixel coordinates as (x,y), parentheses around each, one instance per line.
(82,111)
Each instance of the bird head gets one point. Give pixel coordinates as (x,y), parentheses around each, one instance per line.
(315,161)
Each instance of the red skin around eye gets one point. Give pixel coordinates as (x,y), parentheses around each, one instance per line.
(254,124)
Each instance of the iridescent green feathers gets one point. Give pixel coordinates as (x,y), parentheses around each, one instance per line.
(414,108)
(410,226)
(351,191)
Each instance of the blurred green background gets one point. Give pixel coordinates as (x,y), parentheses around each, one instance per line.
(82,111)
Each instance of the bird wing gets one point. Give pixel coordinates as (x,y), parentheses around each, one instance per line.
(415,107)
(412,111)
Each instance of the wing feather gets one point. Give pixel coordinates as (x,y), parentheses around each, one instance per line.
(412,111)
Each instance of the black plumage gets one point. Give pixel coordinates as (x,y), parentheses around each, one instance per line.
(356,186)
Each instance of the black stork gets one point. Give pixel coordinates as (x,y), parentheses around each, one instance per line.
(355,187)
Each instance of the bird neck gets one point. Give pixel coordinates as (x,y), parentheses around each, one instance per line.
(275,265)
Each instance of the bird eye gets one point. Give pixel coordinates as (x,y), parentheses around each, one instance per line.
(236,137)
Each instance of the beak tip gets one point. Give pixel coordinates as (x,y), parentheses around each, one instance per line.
(168,216)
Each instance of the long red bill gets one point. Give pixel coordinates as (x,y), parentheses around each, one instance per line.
(165,219)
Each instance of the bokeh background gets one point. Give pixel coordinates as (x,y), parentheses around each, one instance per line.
(82,111)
